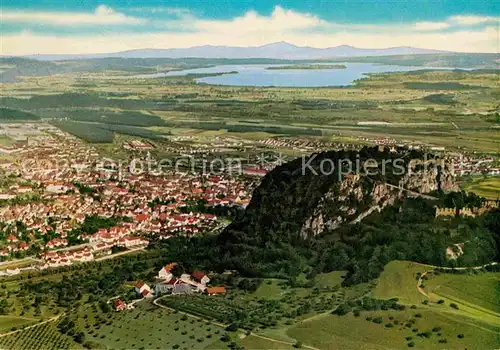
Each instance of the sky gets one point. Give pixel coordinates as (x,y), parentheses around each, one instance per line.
(92,26)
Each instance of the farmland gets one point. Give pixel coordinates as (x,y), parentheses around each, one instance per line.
(146,326)
(399,280)
(480,290)
(45,336)
(8,323)
(445,108)
(393,329)
(488,187)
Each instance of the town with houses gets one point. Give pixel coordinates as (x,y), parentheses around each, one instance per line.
(54,184)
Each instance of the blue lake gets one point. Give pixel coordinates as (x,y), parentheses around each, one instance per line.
(258,75)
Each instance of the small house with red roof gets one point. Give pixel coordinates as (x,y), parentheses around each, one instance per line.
(166,272)
(200,277)
(216,290)
(12,239)
(140,287)
(141,217)
(120,305)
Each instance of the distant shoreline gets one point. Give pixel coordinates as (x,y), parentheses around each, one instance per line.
(308,67)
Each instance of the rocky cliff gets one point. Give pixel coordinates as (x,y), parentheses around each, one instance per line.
(316,194)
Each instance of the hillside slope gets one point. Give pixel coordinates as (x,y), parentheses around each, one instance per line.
(303,221)
(297,199)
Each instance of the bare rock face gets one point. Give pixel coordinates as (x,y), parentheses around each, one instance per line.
(298,200)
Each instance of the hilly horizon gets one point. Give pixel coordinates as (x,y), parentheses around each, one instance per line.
(276,50)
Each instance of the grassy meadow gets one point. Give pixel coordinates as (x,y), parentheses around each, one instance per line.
(487,187)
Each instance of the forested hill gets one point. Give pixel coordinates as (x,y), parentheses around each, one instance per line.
(306,197)
(302,222)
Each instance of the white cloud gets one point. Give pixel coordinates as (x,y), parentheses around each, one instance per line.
(484,40)
(430,25)
(253,29)
(472,20)
(101,15)
(168,10)
(280,20)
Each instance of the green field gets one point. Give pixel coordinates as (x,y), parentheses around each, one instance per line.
(5,141)
(8,323)
(399,280)
(488,187)
(331,279)
(45,336)
(479,290)
(150,327)
(269,289)
(350,332)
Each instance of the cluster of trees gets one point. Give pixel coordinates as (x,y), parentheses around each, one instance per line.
(103,133)
(251,128)
(13,114)
(133,118)
(443,85)
(86,131)
(75,99)
(68,326)
(337,104)
(134,131)
(441,99)
(368,304)
(461,200)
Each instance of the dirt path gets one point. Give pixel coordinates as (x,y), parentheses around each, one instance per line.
(52,319)
(420,280)
(187,313)
(282,341)
(225,325)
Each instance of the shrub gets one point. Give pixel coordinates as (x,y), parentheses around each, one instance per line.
(389,325)
(411,344)
(440,301)
(377,320)
(297,345)
(443,341)
(454,306)
(418,315)
(436,329)
(425,334)
(233,327)
(460,336)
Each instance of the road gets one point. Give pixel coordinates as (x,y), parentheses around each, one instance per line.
(187,313)
(125,252)
(412,193)
(420,280)
(225,325)
(52,319)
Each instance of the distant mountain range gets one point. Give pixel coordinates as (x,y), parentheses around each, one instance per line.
(279,50)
